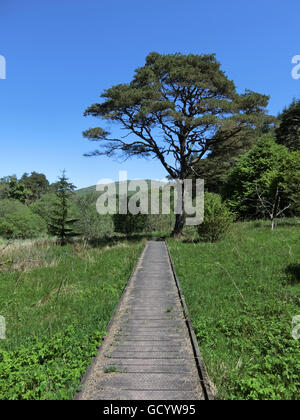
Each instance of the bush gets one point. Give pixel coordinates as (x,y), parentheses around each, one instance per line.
(130,223)
(22,224)
(159,222)
(217,218)
(44,207)
(10,206)
(267,169)
(91,224)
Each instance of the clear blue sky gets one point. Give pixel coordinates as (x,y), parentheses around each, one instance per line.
(61,54)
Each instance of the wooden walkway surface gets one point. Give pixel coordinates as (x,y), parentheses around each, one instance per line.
(148,352)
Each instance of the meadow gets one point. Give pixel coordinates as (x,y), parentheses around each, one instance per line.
(242,293)
(57,302)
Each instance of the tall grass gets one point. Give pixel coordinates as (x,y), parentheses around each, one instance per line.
(57,304)
(242,293)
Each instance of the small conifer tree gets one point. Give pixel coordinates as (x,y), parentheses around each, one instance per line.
(60,224)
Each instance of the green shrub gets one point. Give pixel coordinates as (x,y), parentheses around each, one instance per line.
(44,207)
(267,174)
(10,206)
(217,218)
(130,223)
(159,222)
(91,224)
(22,224)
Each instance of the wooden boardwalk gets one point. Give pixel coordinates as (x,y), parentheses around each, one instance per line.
(148,352)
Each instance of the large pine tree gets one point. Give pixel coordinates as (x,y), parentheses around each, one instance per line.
(177,109)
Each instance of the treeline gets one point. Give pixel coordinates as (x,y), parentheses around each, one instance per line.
(27,189)
(20,200)
(26,205)
(32,207)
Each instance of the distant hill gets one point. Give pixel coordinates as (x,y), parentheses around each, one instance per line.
(155,184)
(83,191)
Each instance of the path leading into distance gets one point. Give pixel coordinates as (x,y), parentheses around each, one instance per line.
(148,352)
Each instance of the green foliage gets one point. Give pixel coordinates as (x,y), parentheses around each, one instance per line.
(290,180)
(91,224)
(215,168)
(266,356)
(242,298)
(217,218)
(4,188)
(45,206)
(37,184)
(18,222)
(275,376)
(48,369)
(10,206)
(17,190)
(60,224)
(264,172)
(27,189)
(159,223)
(56,315)
(130,223)
(288,132)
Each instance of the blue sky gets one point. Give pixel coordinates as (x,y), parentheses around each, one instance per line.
(61,54)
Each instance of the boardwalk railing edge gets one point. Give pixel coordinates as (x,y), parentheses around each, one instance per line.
(112,319)
(204,378)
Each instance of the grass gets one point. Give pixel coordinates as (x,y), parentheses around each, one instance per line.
(57,302)
(111,369)
(242,293)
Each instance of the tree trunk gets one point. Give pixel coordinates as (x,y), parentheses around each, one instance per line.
(272,224)
(179,210)
(179,224)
